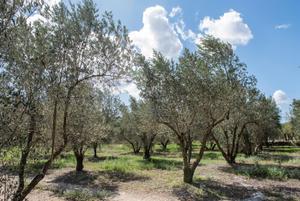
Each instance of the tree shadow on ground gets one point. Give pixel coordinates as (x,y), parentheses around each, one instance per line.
(276,157)
(92,179)
(214,190)
(291,149)
(93,183)
(73,185)
(85,178)
(263,171)
(121,176)
(213,155)
(163,164)
(211,190)
(130,153)
(102,158)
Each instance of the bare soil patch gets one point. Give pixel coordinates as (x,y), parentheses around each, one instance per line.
(213,182)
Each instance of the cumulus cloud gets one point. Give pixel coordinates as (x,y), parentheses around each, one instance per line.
(185,34)
(282,26)
(179,25)
(280,97)
(175,11)
(283,103)
(229,27)
(157,34)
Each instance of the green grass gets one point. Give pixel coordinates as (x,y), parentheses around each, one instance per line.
(268,172)
(283,149)
(135,163)
(116,162)
(118,158)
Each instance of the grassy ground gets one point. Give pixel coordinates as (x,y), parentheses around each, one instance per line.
(275,172)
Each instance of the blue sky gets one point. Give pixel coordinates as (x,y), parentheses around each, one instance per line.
(272,55)
(266,35)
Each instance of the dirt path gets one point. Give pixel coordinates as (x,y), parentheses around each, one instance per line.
(64,179)
(216,183)
(143,196)
(41,195)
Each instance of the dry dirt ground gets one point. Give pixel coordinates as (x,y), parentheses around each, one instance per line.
(213,182)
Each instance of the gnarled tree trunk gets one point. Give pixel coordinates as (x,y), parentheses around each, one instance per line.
(79,155)
(147,145)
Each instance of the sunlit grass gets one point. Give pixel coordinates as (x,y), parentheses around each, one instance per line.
(119,158)
(268,172)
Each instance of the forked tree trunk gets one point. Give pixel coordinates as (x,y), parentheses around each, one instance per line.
(186,141)
(211,146)
(136,149)
(147,144)
(164,145)
(232,148)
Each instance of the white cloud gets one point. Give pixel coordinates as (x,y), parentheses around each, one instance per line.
(282,26)
(157,34)
(179,26)
(280,97)
(175,11)
(230,27)
(283,103)
(127,88)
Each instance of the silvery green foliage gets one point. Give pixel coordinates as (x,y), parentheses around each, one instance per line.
(41,69)
(195,94)
(129,129)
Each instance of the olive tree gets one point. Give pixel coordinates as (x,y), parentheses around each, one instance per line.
(45,64)
(192,96)
(269,126)
(139,127)
(87,122)
(110,108)
(147,125)
(288,132)
(229,133)
(164,136)
(129,129)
